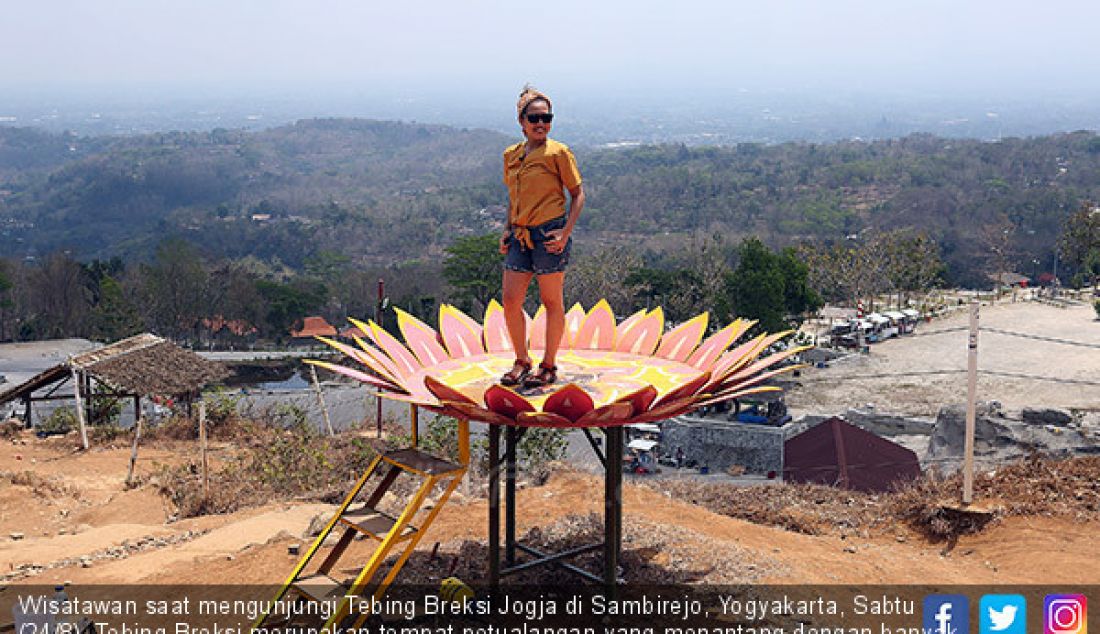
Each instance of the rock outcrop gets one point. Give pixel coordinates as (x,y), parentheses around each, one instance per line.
(1002,436)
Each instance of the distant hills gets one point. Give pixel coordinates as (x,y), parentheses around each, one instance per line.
(382,191)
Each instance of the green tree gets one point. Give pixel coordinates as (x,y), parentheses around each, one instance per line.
(7,301)
(473,267)
(603,275)
(287,303)
(60,298)
(174,288)
(114,316)
(1080,242)
(912,262)
(798,298)
(770,287)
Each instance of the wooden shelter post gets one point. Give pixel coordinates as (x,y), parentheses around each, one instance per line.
(134,452)
(202,449)
(77,384)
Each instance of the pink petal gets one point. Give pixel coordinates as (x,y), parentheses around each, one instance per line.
(716,344)
(496,331)
(670,409)
(405,362)
(573,320)
(358,375)
(461,335)
(687,389)
(597,331)
(728,396)
(422,339)
(536,334)
(679,342)
(628,322)
(365,359)
(642,336)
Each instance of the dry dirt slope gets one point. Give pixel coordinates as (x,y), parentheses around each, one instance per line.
(71,506)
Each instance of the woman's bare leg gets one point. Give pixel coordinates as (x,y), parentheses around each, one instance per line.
(515,291)
(550,293)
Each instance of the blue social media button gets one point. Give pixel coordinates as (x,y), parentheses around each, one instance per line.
(946,614)
(1002,614)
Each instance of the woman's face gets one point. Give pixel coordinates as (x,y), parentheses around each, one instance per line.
(535,131)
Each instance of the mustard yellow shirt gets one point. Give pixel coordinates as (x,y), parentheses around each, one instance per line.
(536,185)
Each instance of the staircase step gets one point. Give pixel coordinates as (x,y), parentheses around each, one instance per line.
(319,587)
(374,523)
(420,462)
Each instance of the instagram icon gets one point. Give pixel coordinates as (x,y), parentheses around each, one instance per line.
(1065,614)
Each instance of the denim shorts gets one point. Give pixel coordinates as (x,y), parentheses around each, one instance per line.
(538,260)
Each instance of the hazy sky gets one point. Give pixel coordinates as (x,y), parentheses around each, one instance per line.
(669,47)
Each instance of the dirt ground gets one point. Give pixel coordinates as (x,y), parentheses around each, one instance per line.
(890,377)
(67,516)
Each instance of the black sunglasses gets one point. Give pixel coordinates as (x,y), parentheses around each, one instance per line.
(540,118)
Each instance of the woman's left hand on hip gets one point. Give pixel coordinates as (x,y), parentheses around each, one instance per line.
(556,240)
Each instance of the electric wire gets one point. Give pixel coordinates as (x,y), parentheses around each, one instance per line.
(1066,342)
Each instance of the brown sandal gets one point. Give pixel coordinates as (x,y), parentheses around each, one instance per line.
(518,373)
(545,375)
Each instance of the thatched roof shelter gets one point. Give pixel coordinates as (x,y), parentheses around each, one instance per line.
(143,365)
(148,365)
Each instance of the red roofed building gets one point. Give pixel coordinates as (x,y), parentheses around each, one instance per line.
(313,327)
(218,330)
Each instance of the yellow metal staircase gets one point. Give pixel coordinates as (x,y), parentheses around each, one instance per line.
(364,518)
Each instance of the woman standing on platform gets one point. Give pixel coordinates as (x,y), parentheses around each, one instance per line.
(536,239)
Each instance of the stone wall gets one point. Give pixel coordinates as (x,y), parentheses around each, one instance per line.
(721,444)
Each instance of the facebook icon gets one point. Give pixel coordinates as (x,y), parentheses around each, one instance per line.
(946,614)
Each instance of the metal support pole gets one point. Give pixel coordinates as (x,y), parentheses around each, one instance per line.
(613,508)
(511,437)
(971,405)
(494,506)
(378,413)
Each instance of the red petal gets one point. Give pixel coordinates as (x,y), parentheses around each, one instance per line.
(639,400)
(607,416)
(570,402)
(444,392)
(506,402)
(543,419)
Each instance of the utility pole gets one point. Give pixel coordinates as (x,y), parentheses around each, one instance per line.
(378,320)
(971,405)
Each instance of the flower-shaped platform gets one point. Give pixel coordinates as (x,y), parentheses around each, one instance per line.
(608,373)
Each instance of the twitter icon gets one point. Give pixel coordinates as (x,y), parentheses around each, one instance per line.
(1002,614)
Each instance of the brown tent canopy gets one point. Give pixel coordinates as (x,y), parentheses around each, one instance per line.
(838,453)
